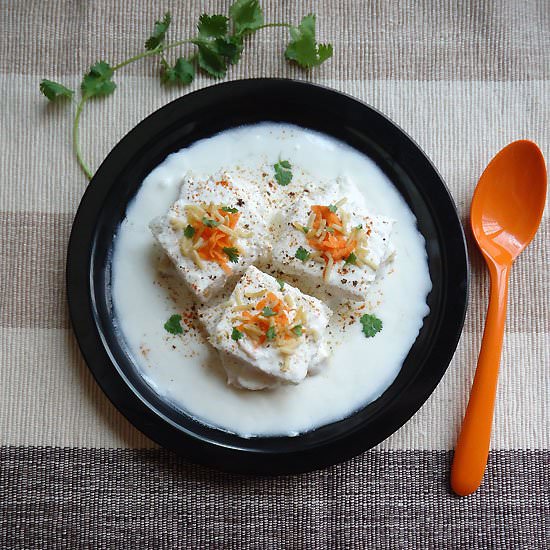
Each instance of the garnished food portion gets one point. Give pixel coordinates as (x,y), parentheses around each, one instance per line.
(267,333)
(272,319)
(213,232)
(331,237)
(342,248)
(210,234)
(205,328)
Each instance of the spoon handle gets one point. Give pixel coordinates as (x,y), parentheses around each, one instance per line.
(472,448)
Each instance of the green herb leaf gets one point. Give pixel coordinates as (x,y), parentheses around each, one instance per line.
(281,284)
(157,38)
(236,334)
(305,229)
(333,208)
(302,254)
(232,253)
(268,312)
(359,227)
(297,330)
(210,59)
(97,82)
(182,72)
(212,26)
(230,47)
(247,16)
(53,90)
(270,334)
(371,325)
(229,209)
(189,231)
(210,223)
(351,259)
(283,175)
(173,325)
(303,49)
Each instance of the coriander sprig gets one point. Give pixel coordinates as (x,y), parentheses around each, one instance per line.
(219,43)
(371,325)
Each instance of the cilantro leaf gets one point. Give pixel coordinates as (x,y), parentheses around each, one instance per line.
(97,82)
(236,334)
(358,227)
(157,38)
(212,26)
(53,90)
(371,325)
(210,223)
(230,47)
(232,253)
(247,16)
(216,47)
(305,229)
(303,49)
(270,334)
(351,259)
(210,59)
(297,330)
(229,209)
(333,208)
(281,284)
(189,231)
(173,325)
(302,254)
(182,72)
(268,312)
(283,175)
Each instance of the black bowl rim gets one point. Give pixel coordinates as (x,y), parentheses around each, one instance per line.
(230,457)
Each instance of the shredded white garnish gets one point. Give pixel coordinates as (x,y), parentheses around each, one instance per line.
(255,294)
(198,244)
(330,264)
(197,260)
(289,301)
(227,230)
(341,202)
(244,307)
(177,223)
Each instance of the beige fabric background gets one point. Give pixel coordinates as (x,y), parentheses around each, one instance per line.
(462,78)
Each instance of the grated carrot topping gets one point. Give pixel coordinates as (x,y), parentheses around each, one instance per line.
(329,238)
(214,233)
(270,319)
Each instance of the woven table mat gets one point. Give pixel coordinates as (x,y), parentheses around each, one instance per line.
(463,79)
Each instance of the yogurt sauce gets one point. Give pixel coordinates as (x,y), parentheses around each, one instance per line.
(185,369)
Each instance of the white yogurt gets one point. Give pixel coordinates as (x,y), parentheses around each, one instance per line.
(185,369)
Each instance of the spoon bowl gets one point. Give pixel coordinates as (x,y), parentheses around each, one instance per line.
(509,200)
(506,211)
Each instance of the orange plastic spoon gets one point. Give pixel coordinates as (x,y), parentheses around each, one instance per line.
(505,215)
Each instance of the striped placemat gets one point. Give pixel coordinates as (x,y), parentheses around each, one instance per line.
(463,79)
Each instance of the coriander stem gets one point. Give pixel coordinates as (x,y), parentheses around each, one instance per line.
(178,43)
(268,25)
(149,53)
(76,141)
(135,58)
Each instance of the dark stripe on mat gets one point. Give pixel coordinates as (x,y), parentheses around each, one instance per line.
(115,498)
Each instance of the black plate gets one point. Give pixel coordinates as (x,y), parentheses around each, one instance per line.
(203,114)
